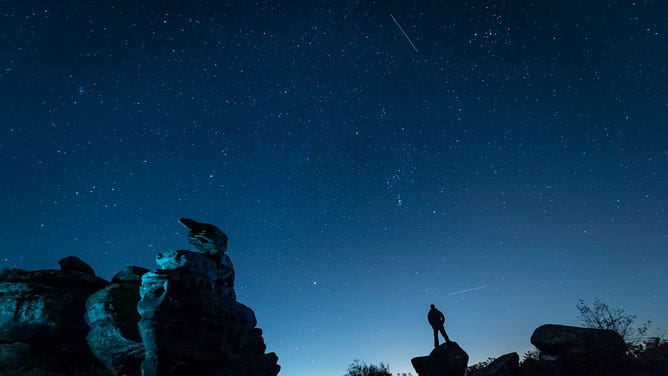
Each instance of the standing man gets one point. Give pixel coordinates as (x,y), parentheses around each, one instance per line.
(436,320)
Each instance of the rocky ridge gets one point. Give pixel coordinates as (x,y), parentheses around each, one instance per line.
(563,351)
(180,319)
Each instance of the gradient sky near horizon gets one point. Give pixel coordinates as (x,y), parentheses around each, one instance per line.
(501,160)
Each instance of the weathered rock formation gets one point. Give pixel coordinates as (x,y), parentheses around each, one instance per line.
(182,319)
(573,351)
(561,339)
(42,315)
(112,316)
(190,320)
(207,238)
(447,359)
(505,365)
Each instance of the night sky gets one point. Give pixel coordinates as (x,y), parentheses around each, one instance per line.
(501,160)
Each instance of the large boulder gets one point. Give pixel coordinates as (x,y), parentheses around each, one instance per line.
(44,304)
(505,365)
(112,316)
(448,359)
(42,316)
(575,351)
(561,339)
(75,264)
(191,323)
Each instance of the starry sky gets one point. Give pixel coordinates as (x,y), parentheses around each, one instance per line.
(500,159)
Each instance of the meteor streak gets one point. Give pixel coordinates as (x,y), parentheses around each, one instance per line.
(402,30)
(467,290)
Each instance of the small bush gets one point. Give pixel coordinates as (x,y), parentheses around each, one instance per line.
(360,368)
(472,369)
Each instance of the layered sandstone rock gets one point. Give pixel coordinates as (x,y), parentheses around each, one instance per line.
(191,322)
(42,315)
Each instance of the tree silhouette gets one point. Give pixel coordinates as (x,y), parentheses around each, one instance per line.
(360,368)
(601,316)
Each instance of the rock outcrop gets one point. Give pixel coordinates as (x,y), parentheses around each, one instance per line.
(447,359)
(561,339)
(505,365)
(182,319)
(42,315)
(112,316)
(190,320)
(569,350)
(207,238)
(75,264)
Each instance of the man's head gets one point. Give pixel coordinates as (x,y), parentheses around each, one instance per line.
(432,306)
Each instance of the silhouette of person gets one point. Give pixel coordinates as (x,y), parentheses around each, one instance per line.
(436,320)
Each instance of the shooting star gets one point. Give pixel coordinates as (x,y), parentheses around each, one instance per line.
(402,30)
(467,290)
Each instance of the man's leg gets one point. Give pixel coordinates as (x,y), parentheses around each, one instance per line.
(445,335)
(435,337)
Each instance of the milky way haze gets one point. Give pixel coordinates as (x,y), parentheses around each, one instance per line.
(498,159)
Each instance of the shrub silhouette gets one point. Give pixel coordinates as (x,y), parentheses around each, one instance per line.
(601,316)
(472,369)
(360,368)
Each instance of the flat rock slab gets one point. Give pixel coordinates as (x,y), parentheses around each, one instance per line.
(561,339)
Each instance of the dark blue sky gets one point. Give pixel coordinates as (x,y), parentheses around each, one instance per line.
(513,164)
